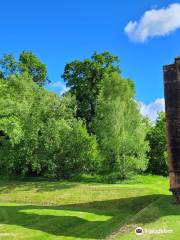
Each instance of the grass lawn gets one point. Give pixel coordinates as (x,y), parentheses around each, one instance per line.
(42,210)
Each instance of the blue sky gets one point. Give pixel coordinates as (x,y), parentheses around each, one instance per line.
(61,31)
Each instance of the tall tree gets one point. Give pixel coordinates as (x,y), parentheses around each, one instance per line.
(84,78)
(119,127)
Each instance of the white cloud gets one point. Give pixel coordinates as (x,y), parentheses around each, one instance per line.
(155,22)
(151,110)
(61,85)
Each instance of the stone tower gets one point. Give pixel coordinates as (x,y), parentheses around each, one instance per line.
(172,109)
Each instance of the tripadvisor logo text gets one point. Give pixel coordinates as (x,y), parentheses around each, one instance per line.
(140,231)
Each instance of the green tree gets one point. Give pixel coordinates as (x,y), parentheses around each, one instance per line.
(39,135)
(158,147)
(119,127)
(28,62)
(15,101)
(84,78)
(8,66)
(36,69)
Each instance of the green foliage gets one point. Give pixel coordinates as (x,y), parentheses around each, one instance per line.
(119,127)
(96,127)
(14,106)
(39,133)
(8,66)
(84,78)
(68,143)
(158,147)
(28,62)
(31,64)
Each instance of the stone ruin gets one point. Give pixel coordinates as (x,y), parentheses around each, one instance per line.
(172,109)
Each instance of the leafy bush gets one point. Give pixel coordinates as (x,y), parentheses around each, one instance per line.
(39,134)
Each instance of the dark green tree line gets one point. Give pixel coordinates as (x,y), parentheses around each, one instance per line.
(158,147)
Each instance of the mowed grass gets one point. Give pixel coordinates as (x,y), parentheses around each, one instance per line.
(42,210)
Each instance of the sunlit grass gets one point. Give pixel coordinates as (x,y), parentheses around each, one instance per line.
(50,212)
(80,210)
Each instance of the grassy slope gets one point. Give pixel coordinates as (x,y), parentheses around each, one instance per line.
(69,210)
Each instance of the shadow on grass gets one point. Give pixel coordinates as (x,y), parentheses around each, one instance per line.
(58,221)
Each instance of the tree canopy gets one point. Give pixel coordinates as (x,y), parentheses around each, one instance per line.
(36,69)
(119,127)
(84,78)
(39,133)
(95,127)
(28,62)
